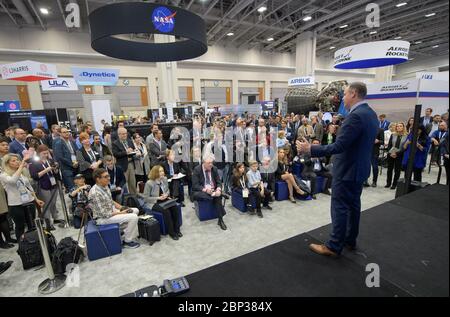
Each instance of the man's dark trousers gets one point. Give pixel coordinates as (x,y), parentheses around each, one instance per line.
(345,214)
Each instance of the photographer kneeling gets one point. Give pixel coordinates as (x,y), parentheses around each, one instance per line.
(45,171)
(107,211)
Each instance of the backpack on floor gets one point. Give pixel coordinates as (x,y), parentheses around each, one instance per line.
(65,255)
(134,201)
(30,249)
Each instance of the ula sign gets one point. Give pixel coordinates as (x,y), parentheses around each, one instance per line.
(373,54)
(59,84)
(302,81)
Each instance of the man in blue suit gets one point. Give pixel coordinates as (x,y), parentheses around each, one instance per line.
(64,152)
(353,152)
(18,145)
(384,124)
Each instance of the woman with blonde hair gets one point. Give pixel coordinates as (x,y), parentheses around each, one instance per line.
(395,154)
(157,192)
(21,196)
(284,173)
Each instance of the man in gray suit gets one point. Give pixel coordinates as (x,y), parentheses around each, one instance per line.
(157,149)
(318,128)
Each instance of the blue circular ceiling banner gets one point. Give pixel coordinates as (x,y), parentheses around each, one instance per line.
(110,25)
(373,54)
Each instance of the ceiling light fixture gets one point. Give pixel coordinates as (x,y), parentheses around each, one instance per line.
(230,34)
(262,9)
(401,4)
(308,18)
(373,32)
(44,11)
(343,26)
(430,15)
(270,39)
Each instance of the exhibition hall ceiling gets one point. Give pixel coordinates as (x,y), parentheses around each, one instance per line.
(273,25)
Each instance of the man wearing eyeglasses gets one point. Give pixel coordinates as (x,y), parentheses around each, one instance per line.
(106,211)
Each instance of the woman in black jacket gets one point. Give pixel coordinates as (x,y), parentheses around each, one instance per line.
(88,159)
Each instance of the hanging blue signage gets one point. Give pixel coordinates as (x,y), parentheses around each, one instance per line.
(95,76)
(163,19)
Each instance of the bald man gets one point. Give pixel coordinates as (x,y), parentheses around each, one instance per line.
(18,145)
(124,152)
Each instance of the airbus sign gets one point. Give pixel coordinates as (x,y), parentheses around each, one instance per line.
(302,81)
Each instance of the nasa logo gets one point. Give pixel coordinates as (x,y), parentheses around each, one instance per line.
(12,106)
(163,19)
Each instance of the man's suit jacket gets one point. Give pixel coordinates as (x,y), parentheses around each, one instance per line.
(422,121)
(62,154)
(176,169)
(376,147)
(16,148)
(309,132)
(198,178)
(353,146)
(318,132)
(385,125)
(155,151)
(120,153)
(309,164)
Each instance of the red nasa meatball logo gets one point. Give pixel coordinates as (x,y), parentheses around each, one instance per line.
(12,106)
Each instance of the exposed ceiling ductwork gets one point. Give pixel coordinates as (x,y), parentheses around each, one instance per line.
(23,11)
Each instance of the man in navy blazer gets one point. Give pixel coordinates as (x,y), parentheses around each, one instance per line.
(384,124)
(64,152)
(353,152)
(18,145)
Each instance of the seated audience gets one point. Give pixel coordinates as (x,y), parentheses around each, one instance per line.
(157,192)
(268,177)
(284,174)
(239,183)
(256,186)
(206,185)
(106,211)
(172,170)
(314,167)
(117,183)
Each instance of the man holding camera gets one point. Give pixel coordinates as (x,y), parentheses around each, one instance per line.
(106,211)
(45,172)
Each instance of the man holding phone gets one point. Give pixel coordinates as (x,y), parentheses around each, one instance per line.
(106,211)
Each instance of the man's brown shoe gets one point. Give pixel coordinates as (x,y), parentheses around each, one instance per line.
(322,250)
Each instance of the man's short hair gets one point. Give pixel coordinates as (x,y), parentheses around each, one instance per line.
(98,173)
(108,158)
(383,116)
(359,88)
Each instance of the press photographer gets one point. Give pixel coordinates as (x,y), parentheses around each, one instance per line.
(45,171)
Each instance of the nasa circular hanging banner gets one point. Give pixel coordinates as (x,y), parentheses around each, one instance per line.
(373,54)
(112,24)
